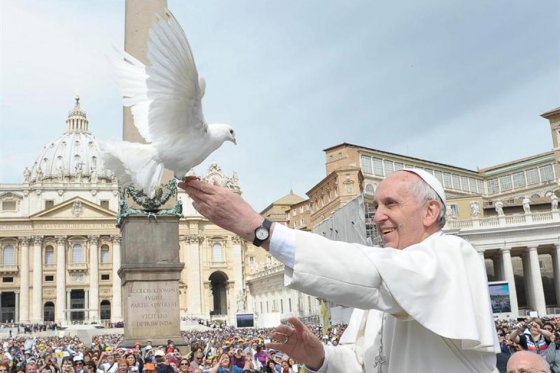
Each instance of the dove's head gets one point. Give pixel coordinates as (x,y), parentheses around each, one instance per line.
(224,132)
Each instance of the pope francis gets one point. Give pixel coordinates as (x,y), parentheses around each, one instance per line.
(422,300)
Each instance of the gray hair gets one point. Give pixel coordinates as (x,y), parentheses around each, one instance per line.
(424,192)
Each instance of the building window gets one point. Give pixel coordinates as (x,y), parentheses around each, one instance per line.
(519,180)
(370,190)
(480,186)
(7,279)
(49,256)
(398,166)
(547,173)
(456,182)
(389,167)
(49,278)
(377,167)
(9,205)
(9,256)
(217,253)
(447,180)
(464,183)
(274,309)
(505,183)
(366,165)
(49,204)
(493,186)
(472,185)
(438,175)
(105,277)
(104,254)
(105,204)
(78,253)
(251,260)
(289,304)
(532,176)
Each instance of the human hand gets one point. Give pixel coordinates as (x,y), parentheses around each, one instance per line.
(222,207)
(298,342)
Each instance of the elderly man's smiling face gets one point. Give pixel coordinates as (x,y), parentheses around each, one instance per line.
(402,218)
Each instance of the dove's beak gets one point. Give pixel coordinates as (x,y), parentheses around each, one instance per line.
(234,141)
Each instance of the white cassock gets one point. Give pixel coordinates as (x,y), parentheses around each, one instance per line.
(433,297)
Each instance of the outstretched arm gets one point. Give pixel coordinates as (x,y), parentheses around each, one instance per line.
(224,208)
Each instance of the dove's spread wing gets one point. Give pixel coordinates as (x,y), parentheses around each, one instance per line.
(132,80)
(175,113)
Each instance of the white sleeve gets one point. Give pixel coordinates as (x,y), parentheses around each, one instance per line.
(339,359)
(283,244)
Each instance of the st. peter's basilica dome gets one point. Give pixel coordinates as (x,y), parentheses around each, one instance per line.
(74,157)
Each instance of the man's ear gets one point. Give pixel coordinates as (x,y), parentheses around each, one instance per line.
(432,213)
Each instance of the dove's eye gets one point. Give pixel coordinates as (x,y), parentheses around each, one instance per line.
(231,132)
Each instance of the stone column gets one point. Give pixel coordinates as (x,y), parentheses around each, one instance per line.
(24,279)
(239,294)
(68,306)
(16,316)
(498,267)
(483,261)
(507,269)
(116,304)
(527,279)
(60,279)
(93,279)
(556,268)
(194,284)
(536,280)
(37,298)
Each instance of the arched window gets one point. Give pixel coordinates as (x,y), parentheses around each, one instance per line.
(9,256)
(104,254)
(48,313)
(105,313)
(217,253)
(78,253)
(49,255)
(370,190)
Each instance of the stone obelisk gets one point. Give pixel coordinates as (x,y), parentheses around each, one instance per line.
(150,265)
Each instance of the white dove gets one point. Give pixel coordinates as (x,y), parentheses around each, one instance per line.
(165,100)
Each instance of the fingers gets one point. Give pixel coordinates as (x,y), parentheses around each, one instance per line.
(297,324)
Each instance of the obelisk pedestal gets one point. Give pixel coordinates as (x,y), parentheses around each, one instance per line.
(150,272)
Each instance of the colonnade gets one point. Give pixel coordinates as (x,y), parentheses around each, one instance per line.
(30,305)
(503,269)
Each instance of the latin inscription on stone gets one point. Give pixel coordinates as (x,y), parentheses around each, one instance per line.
(153,304)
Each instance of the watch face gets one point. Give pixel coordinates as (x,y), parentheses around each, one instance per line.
(261,233)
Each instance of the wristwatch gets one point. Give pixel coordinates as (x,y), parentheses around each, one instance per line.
(262,232)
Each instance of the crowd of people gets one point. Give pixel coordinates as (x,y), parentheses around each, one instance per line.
(217,350)
(537,335)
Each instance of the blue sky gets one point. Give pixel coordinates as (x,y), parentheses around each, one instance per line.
(456,82)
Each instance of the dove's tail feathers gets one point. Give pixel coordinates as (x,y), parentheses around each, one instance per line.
(133,163)
(131,75)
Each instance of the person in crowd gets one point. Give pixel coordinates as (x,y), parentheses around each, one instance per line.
(108,363)
(184,366)
(271,367)
(149,368)
(537,340)
(225,365)
(237,358)
(552,353)
(122,366)
(261,356)
(67,365)
(162,365)
(527,362)
(78,364)
(134,364)
(198,360)
(91,367)
(445,270)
